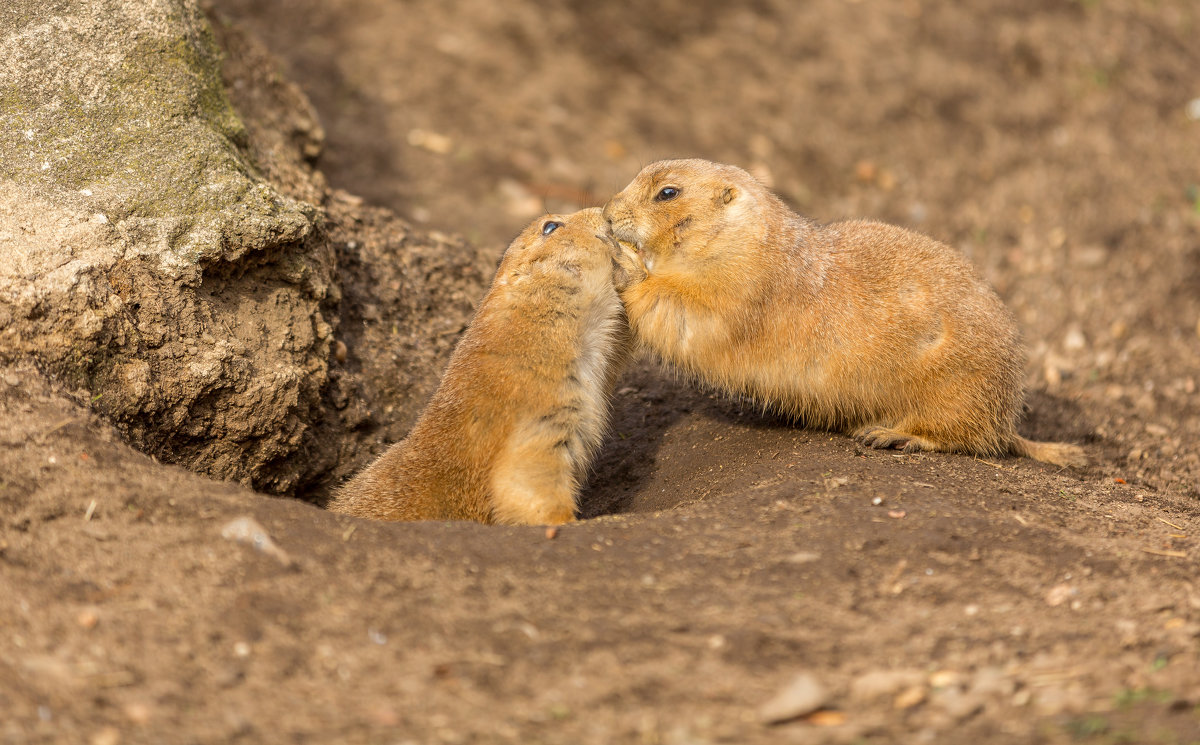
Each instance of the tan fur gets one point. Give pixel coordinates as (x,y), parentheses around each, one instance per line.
(856,326)
(511,431)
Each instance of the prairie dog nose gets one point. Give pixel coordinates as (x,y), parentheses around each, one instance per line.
(607,214)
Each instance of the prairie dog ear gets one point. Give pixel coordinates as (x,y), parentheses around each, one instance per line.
(736,202)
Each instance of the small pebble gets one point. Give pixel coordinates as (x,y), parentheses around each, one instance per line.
(1059,594)
(434,142)
(137,712)
(87,618)
(826,718)
(945,679)
(248,531)
(1193,109)
(803,557)
(910,697)
(552,532)
(1074,340)
(803,695)
(878,684)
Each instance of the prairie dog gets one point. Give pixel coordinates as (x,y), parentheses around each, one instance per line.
(511,430)
(856,326)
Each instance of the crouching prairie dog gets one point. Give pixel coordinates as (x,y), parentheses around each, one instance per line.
(856,326)
(511,430)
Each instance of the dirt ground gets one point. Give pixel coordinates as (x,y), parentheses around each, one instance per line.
(726,554)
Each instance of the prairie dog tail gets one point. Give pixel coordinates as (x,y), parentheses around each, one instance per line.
(1058,453)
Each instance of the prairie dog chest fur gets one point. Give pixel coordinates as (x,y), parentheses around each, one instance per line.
(858,325)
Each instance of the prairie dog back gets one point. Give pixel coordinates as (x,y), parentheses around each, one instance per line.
(856,326)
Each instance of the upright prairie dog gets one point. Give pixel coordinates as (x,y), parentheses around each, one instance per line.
(856,326)
(511,431)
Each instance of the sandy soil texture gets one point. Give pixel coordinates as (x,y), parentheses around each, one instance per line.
(733,569)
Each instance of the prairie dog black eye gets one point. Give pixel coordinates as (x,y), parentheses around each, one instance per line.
(666,194)
(550,227)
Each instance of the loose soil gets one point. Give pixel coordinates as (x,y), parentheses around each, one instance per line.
(930,598)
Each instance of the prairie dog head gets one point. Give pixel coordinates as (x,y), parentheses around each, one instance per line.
(678,213)
(564,249)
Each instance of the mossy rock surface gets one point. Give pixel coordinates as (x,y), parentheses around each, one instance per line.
(118,109)
(144,260)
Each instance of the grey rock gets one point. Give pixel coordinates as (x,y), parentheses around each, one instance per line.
(134,226)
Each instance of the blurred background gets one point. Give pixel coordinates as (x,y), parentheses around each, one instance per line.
(1057,144)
